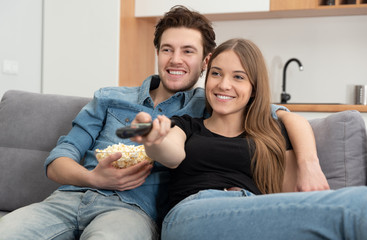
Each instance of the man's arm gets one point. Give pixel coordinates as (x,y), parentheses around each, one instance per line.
(309,174)
(66,171)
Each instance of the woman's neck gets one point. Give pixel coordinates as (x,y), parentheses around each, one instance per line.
(228,126)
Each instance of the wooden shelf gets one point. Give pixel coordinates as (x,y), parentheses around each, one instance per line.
(324,107)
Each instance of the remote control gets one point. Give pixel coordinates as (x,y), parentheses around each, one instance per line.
(137,129)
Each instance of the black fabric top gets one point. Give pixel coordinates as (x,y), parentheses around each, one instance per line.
(212,161)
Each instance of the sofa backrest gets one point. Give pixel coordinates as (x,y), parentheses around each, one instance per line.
(30,125)
(341,142)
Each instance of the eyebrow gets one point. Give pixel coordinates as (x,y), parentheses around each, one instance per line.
(237,71)
(183,47)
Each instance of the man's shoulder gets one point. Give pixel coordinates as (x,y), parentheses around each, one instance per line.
(117,93)
(198,93)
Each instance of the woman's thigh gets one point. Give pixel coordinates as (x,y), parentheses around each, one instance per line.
(331,214)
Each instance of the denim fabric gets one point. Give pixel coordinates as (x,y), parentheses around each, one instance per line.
(70,215)
(333,214)
(275,108)
(115,107)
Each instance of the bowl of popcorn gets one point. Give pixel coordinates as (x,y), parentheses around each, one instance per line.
(130,154)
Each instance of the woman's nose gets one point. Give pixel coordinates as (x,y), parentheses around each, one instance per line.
(225,83)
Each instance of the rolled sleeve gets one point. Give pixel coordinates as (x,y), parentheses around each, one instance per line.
(275,108)
(62,150)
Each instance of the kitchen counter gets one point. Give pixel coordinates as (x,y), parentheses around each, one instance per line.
(309,107)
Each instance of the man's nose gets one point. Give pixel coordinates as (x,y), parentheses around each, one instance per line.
(176,57)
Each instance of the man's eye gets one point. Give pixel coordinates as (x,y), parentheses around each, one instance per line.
(166,50)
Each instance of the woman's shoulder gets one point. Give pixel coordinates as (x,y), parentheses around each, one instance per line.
(187,123)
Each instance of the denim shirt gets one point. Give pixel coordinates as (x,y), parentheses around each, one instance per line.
(114,107)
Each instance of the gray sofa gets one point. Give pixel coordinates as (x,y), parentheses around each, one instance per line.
(31,123)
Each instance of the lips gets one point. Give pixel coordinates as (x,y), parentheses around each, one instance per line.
(223,97)
(176,72)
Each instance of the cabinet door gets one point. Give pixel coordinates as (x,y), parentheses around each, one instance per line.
(291,4)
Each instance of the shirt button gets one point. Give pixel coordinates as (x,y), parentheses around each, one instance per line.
(160,110)
(127,120)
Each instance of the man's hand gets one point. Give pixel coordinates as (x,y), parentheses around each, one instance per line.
(106,176)
(66,171)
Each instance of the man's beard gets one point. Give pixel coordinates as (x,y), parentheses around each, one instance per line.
(182,89)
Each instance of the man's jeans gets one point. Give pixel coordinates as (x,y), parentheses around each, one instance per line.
(215,214)
(70,215)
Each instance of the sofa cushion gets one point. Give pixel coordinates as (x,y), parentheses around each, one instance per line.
(342,148)
(30,125)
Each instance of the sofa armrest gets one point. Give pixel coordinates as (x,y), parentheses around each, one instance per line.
(30,125)
(341,142)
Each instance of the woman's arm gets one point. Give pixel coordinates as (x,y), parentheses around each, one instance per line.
(163,143)
(308,171)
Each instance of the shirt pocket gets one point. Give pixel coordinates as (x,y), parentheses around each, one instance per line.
(117,118)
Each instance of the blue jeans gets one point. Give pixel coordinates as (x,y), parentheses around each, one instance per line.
(215,214)
(70,215)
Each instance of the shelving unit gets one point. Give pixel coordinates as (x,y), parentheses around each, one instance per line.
(341,3)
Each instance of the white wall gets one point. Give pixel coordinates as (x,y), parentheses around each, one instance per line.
(81,46)
(66,47)
(333,51)
(20,45)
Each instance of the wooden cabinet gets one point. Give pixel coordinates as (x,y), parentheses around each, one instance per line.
(276,5)
(137,53)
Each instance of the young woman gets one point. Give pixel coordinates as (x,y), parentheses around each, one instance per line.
(227,167)
(240,145)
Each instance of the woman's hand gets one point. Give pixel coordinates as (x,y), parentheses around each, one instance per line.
(161,127)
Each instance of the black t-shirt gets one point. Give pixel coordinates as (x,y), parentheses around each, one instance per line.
(212,161)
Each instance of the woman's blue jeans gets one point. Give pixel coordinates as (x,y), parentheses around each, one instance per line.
(215,214)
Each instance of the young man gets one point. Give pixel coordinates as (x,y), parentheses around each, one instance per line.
(100,201)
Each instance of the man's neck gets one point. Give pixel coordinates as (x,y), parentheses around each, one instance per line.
(158,95)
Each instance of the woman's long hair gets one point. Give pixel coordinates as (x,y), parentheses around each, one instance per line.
(268,161)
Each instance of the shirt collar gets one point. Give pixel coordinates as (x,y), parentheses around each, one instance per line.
(152,82)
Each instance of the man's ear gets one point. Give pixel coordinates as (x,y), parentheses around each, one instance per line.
(206,61)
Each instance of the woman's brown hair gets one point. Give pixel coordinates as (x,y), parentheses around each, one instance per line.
(268,161)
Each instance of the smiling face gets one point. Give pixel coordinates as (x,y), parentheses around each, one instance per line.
(228,87)
(180,59)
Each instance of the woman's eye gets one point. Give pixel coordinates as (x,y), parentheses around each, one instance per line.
(214,73)
(239,77)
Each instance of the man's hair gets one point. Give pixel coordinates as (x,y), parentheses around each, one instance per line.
(180,16)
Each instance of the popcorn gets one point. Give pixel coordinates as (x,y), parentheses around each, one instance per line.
(131,154)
